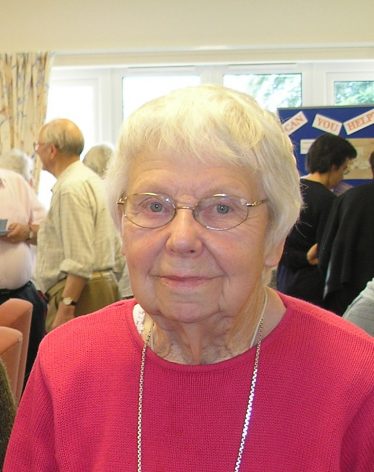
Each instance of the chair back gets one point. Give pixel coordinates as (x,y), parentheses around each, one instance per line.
(10,354)
(16,314)
(7,411)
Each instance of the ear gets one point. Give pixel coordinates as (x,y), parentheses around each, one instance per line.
(54,150)
(273,255)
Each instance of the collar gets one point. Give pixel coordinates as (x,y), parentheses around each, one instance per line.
(66,174)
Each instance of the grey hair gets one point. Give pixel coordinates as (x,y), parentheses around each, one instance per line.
(211,122)
(98,157)
(18,161)
(64,134)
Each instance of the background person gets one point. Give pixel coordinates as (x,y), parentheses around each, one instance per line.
(298,273)
(206,369)
(361,310)
(371,163)
(18,161)
(98,158)
(21,207)
(347,247)
(75,257)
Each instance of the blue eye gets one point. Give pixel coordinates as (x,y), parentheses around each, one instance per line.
(222,209)
(156,207)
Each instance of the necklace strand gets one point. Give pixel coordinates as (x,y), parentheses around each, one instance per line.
(251,395)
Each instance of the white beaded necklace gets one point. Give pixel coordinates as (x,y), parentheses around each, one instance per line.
(248,414)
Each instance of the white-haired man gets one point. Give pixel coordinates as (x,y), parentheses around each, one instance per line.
(75,258)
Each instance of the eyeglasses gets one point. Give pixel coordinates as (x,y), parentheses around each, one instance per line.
(37,145)
(219,212)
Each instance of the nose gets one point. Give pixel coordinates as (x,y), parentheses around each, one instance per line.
(184,232)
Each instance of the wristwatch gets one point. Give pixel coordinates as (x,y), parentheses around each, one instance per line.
(68,301)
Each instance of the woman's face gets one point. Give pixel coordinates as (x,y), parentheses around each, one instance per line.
(183,271)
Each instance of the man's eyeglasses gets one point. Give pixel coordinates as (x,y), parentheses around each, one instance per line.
(37,145)
(219,212)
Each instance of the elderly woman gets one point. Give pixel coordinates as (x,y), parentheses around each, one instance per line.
(98,158)
(207,369)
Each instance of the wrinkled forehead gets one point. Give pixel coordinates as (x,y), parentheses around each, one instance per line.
(190,174)
(214,145)
(167,161)
(184,152)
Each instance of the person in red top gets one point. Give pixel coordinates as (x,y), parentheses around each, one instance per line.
(206,369)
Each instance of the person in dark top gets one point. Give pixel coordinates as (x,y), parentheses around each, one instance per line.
(298,273)
(347,248)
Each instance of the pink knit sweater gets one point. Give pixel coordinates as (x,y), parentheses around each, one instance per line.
(313,407)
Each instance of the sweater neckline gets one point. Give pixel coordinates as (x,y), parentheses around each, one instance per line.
(236,361)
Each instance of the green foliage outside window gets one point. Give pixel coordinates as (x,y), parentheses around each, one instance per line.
(354,92)
(270,90)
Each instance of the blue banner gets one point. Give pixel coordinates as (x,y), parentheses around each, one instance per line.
(354,123)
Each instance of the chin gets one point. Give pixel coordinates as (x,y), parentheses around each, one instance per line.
(187,311)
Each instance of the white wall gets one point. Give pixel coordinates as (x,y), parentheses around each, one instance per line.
(146,30)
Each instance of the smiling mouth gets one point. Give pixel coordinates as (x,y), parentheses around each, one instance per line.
(183,281)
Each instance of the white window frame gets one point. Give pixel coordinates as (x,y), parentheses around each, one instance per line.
(318,79)
(120,73)
(100,80)
(317,82)
(332,77)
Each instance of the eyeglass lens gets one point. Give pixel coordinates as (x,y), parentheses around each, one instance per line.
(155,210)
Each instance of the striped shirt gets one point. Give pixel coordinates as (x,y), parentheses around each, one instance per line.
(77,237)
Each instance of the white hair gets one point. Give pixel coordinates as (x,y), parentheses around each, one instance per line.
(211,122)
(17,161)
(98,157)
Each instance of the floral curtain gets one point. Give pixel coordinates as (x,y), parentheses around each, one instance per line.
(24,79)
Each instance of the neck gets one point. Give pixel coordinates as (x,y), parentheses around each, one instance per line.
(62,163)
(207,343)
(317,177)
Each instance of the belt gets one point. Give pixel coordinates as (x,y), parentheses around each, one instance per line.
(57,286)
(9,291)
(102,273)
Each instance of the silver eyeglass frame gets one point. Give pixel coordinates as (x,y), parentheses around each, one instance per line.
(122,202)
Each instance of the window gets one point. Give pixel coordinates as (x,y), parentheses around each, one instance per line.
(75,100)
(98,99)
(138,89)
(354,92)
(351,87)
(75,95)
(272,91)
